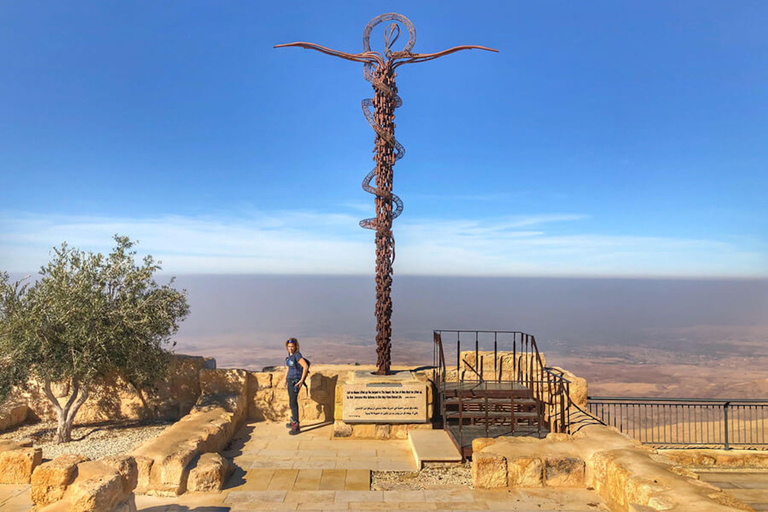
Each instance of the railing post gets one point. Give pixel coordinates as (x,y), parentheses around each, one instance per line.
(725,420)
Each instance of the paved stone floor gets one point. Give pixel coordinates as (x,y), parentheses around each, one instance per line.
(314,473)
(749,486)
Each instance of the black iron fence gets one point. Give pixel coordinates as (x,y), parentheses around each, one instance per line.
(694,422)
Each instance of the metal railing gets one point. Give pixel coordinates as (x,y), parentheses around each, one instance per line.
(692,422)
(504,356)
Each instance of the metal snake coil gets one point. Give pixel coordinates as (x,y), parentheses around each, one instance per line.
(378,76)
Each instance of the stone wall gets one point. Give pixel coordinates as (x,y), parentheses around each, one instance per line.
(113,398)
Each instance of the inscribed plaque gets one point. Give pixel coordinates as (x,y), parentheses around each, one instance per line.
(384,402)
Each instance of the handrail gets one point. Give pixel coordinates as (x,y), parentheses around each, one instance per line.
(667,421)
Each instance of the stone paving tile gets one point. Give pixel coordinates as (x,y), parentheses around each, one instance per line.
(235,497)
(283,479)
(404,496)
(15,498)
(272,464)
(357,480)
(317,507)
(333,479)
(427,505)
(452,495)
(314,464)
(253,480)
(356,464)
(359,496)
(308,480)
(317,497)
(258,506)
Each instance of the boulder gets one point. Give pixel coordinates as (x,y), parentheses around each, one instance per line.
(51,479)
(209,473)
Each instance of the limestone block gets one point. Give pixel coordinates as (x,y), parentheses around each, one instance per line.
(482,442)
(209,474)
(341,429)
(261,380)
(51,479)
(563,472)
(364,431)
(383,431)
(127,468)
(270,404)
(641,490)
(525,472)
(12,415)
(223,381)
(16,466)
(489,471)
(310,410)
(173,471)
(660,503)
(144,472)
(97,488)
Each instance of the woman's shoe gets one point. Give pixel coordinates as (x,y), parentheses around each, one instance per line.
(294,430)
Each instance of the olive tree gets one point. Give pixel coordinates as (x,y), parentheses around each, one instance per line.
(87,316)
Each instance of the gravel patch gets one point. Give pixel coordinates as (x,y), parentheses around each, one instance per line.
(431,476)
(93,441)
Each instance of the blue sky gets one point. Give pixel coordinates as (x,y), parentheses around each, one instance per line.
(604,139)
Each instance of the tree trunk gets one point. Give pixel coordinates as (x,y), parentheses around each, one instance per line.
(66,413)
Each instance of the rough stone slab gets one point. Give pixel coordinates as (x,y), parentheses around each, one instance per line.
(432,446)
(16,466)
(209,473)
(51,479)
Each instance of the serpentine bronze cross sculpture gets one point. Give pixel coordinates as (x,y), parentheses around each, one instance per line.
(379,70)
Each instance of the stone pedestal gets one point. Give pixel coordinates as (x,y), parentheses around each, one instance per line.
(382,406)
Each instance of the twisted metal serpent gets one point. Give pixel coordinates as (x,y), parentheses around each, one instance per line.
(379,70)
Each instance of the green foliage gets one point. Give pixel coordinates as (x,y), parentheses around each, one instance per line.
(88,316)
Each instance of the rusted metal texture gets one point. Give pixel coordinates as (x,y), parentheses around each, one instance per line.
(379,69)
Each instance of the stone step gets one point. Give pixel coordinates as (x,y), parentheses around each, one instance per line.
(433,446)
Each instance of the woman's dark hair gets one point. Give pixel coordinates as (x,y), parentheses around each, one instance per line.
(294,341)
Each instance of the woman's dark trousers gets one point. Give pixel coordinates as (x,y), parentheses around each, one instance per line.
(293,399)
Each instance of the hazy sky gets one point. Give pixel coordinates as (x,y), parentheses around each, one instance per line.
(605,138)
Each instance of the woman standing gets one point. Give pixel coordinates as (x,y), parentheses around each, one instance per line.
(294,379)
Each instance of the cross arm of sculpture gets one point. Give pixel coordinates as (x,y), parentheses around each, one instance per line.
(379,70)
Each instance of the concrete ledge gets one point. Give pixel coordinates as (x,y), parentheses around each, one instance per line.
(433,446)
(704,458)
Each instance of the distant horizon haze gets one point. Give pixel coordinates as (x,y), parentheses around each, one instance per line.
(244,320)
